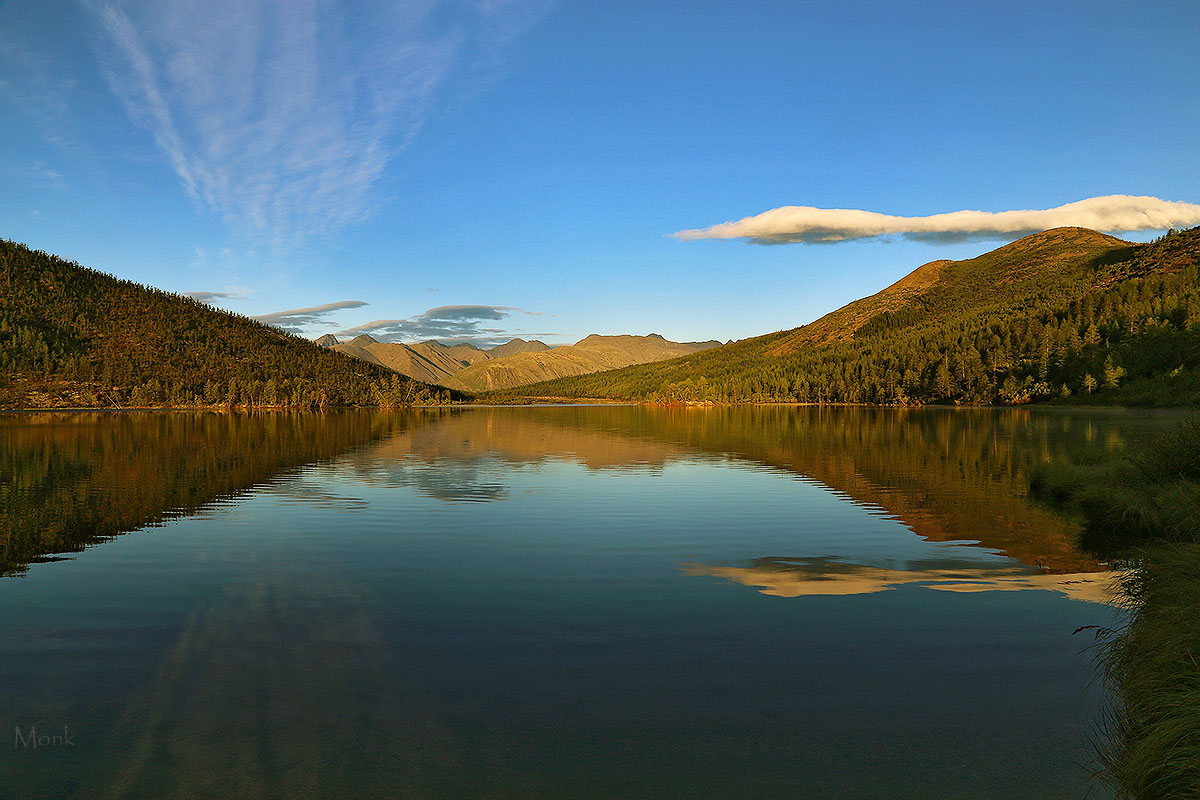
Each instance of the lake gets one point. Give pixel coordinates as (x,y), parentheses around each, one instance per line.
(548,602)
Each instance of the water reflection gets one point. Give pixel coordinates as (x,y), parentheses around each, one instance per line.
(809,577)
(474,479)
(311,493)
(488,602)
(946,474)
(70,480)
(245,702)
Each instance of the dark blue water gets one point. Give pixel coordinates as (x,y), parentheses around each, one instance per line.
(555,602)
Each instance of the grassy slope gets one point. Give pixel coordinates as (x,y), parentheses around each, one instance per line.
(1020,269)
(71,336)
(984,317)
(592,354)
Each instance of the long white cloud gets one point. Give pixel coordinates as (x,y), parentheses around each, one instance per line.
(1112,213)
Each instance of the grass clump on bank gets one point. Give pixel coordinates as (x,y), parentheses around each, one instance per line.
(1144,509)
(1153,727)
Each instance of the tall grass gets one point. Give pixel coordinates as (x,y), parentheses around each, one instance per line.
(1145,510)
(1151,747)
(1151,496)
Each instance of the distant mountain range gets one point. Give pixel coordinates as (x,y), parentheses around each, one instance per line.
(515,363)
(1068,312)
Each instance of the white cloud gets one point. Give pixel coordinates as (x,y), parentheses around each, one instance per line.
(281,115)
(297,320)
(1113,213)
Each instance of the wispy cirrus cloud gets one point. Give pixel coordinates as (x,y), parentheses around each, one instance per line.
(789,224)
(281,115)
(47,177)
(473,324)
(299,320)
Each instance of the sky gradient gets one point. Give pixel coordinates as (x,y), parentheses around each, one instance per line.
(483,170)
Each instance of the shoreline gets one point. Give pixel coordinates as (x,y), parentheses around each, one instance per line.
(585,403)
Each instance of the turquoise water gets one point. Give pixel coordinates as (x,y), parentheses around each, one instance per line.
(556,602)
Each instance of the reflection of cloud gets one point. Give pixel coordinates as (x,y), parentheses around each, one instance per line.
(464,323)
(806,577)
(823,225)
(296,320)
(312,493)
(452,480)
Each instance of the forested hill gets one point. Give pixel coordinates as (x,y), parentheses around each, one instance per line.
(75,337)
(1064,313)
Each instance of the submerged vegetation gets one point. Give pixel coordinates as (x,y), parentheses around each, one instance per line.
(74,337)
(1145,510)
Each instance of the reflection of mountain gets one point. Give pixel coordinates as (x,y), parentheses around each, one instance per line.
(947,474)
(463,456)
(520,436)
(70,480)
(803,577)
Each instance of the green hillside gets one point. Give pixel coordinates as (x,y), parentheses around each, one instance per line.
(75,337)
(1065,313)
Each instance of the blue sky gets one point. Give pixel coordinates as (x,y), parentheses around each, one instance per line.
(521,166)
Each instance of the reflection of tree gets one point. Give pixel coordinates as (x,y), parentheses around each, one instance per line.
(948,474)
(803,577)
(70,480)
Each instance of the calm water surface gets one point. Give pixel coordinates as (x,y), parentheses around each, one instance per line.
(548,602)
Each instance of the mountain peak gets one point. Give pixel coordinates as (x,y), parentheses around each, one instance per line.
(363,339)
(1059,237)
(1028,262)
(514,346)
(328,340)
